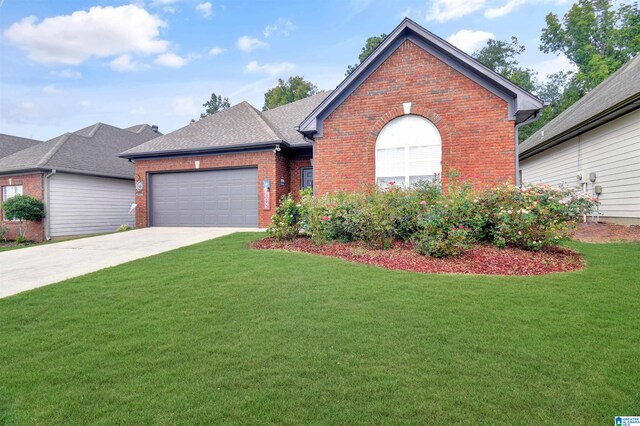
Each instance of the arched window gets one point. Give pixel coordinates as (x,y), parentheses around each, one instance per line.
(408,149)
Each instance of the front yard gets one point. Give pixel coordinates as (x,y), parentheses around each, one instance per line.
(218,333)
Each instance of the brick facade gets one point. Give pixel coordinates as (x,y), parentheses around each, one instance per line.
(477,135)
(272,166)
(32,184)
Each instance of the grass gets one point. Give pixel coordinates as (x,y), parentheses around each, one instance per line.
(217,333)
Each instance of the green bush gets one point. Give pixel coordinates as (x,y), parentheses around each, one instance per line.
(532,217)
(286,223)
(24,209)
(440,223)
(124,228)
(3,232)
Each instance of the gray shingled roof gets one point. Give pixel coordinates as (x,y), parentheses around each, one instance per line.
(620,90)
(241,125)
(92,150)
(10,144)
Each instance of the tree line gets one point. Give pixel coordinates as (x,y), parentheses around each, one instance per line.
(594,36)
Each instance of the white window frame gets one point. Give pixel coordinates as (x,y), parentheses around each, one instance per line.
(404,133)
(15,190)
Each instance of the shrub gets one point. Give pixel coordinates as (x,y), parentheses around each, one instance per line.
(3,232)
(532,217)
(286,223)
(440,242)
(23,208)
(123,228)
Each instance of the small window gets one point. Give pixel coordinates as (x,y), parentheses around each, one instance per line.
(8,192)
(408,150)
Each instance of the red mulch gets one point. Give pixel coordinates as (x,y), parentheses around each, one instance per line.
(606,232)
(480,259)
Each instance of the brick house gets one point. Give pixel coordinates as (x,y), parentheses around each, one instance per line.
(415,107)
(85,187)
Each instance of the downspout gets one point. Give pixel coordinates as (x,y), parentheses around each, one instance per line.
(533,117)
(47,224)
(313,159)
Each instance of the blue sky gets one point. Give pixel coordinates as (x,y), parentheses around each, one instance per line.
(66,64)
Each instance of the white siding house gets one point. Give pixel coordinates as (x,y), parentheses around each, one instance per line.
(82,205)
(594,146)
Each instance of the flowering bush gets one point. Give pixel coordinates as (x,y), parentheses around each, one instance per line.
(286,223)
(532,217)
(440,223)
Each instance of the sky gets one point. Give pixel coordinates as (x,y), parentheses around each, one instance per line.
(67,64)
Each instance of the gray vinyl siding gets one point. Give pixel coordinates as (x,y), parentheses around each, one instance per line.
(612,151)
(81,205)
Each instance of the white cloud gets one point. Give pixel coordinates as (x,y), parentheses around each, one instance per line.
(508,7)
(205,9)
(445,10)
(67,73)
(269,69)
(137,111)
(99,32)
(544,68)
(52,89)
(468,40)
(171,60)
(217,50)
(281,26)
(247,43)
(124,63)
(185,106)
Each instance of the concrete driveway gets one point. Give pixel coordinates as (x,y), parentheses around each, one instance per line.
(28,268)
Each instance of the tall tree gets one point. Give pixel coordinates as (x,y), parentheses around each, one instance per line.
(501,56)
(370,44)
(595,38)
(216,103)
(285,92)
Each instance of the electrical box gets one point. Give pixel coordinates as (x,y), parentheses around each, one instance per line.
(582,176)
(597,189)
(592,176)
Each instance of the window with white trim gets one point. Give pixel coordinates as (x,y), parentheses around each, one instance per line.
(408,149)
(8,192)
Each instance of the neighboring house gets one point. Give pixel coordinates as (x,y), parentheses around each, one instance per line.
(415,107)
(85,186)
(594,146)
(11,144)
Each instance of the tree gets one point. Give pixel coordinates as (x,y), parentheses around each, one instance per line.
(501,57)
(370,45)
(215,104)
(24,209)
(595,38)
(285,92)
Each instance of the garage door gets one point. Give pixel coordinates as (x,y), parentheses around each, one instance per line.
(205,198)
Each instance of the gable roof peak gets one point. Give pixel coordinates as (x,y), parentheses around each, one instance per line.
(522,104)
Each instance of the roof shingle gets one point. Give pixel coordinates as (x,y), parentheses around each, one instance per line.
(11,144)
(620,88)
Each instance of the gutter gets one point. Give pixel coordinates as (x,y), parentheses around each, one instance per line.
(533,117)
(205,151)
(47,223)
(603,117)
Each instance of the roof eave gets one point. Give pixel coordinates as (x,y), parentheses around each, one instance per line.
(205,150)
(523,100)
(603,117)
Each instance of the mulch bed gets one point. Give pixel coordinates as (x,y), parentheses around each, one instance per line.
(606,232)
(480,259)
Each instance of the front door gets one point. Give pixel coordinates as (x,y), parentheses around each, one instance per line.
(306,180)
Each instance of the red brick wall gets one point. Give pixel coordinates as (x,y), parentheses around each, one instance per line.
(32,184)
(270,166)
(297,164)
(477,136)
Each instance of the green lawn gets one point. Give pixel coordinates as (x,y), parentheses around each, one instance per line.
(217,333)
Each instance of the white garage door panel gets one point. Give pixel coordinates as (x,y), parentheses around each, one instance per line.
(205,198)
(80,205)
